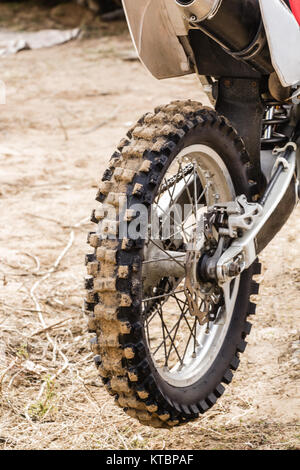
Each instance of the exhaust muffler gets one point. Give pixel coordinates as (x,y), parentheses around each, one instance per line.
(200,9)
(236,25)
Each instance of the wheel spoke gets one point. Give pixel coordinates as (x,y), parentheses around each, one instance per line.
(167,253)
(183,315)
(195,334)
(177,324)
(186,228)
(155,260)
(165,298)
(160,312)
(168,216)
(173,204)
(187,190)
(181,309)
(188,342)
(171,331)
(171,339)
(148,335)
(175,334)
(162,296)
(195,190)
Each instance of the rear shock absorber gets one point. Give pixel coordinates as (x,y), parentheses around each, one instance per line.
(277,115)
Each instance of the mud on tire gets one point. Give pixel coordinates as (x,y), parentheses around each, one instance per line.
(113,301)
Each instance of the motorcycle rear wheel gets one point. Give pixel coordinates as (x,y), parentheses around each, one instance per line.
(166,371)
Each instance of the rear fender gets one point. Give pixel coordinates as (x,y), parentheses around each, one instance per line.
(156,37)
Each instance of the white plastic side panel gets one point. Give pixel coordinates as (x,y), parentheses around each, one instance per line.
(154,37)
(283,33)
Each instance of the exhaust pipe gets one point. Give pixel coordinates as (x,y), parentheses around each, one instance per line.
(203,9)
(236,25)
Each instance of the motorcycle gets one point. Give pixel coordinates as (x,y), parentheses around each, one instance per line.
(191,197)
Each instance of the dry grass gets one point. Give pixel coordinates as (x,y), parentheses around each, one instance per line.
(50,396)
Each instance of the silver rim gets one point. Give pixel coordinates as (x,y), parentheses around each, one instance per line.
(184,345)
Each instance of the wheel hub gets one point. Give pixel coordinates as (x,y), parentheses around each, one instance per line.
(203,294)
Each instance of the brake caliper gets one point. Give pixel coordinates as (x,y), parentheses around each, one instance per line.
(226,222)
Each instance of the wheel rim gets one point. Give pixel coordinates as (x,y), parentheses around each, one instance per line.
(182,349)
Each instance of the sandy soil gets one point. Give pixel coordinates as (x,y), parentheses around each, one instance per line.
(67,107)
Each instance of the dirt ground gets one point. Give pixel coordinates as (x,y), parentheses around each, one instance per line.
(67,108)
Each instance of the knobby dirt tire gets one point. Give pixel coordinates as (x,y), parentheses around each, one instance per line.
(113,284)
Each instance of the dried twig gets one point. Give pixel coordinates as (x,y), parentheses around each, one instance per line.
(101,124)
(35,258)
(58,222)
(50,327)
(65,132)
(11,365)
(13,307)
